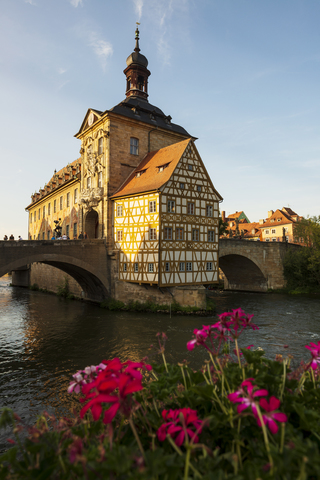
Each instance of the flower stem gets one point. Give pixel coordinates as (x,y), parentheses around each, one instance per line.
(186,467)
(265,436)
(184,379)
(135,433)
(164,361)
(283,426)
(284,379)
(237,350)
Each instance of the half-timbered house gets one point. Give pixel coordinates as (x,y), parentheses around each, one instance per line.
(166,220)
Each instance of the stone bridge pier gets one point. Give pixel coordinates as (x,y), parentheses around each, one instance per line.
(252,266)
(86,261)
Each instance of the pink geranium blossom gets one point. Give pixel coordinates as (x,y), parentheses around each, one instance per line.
(315,353)
(271,414)
(181,429)
(247,395)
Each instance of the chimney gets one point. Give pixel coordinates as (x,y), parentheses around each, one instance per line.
(270,213)
(223,215)
(261,222)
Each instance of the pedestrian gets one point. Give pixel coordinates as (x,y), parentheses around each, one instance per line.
(53,237)
(5,238)
(20,238)
(85,235)
(64,237)
(81,236)
(11,237)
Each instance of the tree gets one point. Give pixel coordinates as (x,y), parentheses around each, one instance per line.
(222,226)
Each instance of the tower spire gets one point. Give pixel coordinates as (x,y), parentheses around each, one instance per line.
(136,72)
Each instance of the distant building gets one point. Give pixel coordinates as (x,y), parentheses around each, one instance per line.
(279,226)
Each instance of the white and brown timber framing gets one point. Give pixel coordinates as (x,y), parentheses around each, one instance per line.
(172,177)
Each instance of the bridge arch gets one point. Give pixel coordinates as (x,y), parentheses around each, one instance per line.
(242,273)
(93,283)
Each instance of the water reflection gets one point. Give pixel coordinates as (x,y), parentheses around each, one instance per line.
(45,339)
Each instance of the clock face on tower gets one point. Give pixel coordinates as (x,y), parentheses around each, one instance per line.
(90,119)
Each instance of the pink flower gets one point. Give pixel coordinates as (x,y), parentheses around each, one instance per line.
(315,353)
(181,430)
(247,395)
(271,415)
(200,337)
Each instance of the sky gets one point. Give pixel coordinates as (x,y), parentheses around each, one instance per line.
(240,75)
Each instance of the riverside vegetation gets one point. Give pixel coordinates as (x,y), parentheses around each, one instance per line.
(241,416)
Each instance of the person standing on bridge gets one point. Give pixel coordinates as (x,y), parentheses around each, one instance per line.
(11,237)
(20,238)
(85,235)
(5,238)
(80,236)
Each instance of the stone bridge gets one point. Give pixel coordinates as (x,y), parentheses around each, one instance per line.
(85,260)
(253,266)
(247,266)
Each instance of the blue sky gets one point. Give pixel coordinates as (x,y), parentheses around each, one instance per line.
(241,75)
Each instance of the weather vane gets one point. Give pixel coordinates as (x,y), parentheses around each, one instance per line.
(137,23)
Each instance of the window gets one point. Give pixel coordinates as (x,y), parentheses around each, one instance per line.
(30,217)
(136,267)
(198,188)
(100,146)
(42,235)
(195,234)
(38,236)
(279,219)
(209,211)
(49,208)
(209,266)
(168,233)
(190,167)
(140,173)
(48,235)
(191,208)
(189,266)
(54,206)
(124,267)
(119,210)
(162,167)
(152,234)
(167,267)
(68,231)
(150,267)
(152,206)
(274,239)
(267,239)
(210,235)
(75,195)
(181,266)
(171,206)
(39,215)
(61,203)
(273,231)
(35,216)
(134,146)
(89,182)
(181,185)
(179,234)
(75,230)
(100,179)
(44,212)
(119,235)
(68,199)
(267,232)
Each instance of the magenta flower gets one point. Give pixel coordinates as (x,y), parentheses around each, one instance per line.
(271,414)
(181,430)
(247,395)
(315,353)
(200,337)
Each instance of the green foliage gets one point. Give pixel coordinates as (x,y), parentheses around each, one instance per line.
(34,286)
(223,226)
(231,446)
(64,289)
(136,306)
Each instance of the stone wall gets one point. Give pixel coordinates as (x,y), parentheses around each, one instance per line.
(50,278)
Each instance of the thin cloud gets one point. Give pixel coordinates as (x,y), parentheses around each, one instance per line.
(61,70)
(76,3)
(101,48)
(138,5)
(30,2)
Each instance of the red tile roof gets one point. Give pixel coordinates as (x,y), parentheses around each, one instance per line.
(152,179)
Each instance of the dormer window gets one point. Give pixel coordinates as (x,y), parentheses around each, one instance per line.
(162,167)
(279,219)
(134,146)
(138,174)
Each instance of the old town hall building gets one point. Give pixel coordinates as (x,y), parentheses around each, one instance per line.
(142,186)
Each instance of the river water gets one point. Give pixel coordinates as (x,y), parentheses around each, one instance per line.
(44,339)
